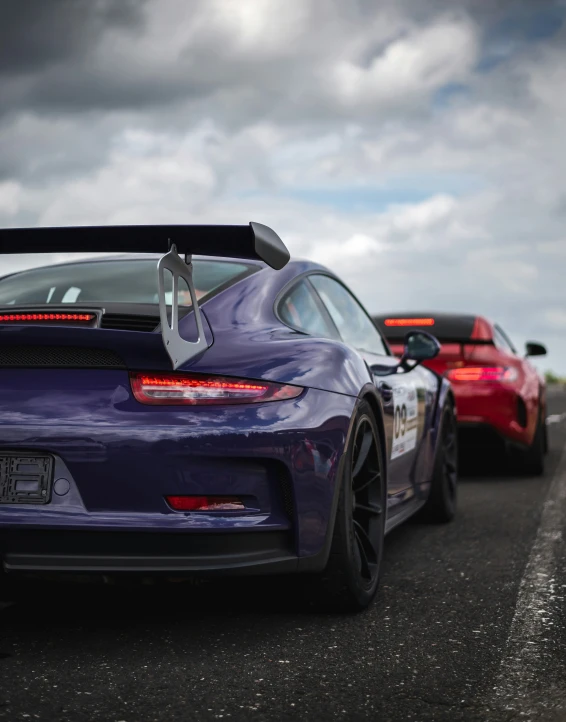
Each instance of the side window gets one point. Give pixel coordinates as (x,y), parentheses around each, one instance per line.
(300,309)
(502,341)
(353,323)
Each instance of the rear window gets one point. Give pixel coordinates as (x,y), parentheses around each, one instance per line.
(445,328)
(123,281)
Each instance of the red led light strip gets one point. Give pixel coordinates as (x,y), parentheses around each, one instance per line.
(200,383)
(409,321)
(27,317)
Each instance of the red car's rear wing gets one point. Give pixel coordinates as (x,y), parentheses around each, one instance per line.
(254,241)
(449,328)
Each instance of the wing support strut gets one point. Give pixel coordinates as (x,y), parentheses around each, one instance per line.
(178,349)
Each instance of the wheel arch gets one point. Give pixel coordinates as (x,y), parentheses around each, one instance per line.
(369,394)
(445,394)
(543,412)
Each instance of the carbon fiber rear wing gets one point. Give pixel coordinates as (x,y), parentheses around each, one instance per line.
(254,241)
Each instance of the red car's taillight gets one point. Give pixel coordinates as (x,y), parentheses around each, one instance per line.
(482,373)
(197,389)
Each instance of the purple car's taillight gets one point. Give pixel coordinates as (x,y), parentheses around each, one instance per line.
(205,503)
(200,389)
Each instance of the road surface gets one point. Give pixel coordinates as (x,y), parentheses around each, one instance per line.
(469,624)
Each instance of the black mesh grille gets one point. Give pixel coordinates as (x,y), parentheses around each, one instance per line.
(58,357)
(286,491)
(129,322)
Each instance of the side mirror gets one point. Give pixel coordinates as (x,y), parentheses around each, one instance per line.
(535,349)
(420,346)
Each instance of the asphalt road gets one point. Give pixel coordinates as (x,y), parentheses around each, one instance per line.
(469,624)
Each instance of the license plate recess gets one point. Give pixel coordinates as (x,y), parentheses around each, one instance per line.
(25,478)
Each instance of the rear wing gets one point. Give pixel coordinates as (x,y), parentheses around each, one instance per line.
(252,242)
(448,328)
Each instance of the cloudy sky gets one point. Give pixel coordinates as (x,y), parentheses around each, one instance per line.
(416,147)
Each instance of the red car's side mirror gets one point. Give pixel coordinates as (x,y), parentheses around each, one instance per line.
(535,349)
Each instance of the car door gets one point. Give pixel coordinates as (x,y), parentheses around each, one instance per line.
(403,394)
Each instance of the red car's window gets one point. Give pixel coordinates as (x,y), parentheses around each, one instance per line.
(502,340)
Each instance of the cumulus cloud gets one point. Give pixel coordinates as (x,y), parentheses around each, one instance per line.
(10,194)
(414,146)
(409,67)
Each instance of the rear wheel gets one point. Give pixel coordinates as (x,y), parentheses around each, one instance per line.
(351,577)
(532,461)
(440,506)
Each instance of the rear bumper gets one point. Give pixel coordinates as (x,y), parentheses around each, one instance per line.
(491,409)
(118,461)
(480,436)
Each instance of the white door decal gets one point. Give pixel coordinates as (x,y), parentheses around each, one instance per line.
(405,420)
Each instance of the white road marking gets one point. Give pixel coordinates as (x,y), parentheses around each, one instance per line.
(555,418)
(527,664)
(555,389)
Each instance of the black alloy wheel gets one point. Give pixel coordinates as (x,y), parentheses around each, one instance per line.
(440,507)
(367,501)
(350,580)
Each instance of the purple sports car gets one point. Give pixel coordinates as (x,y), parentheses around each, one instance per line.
(200,404)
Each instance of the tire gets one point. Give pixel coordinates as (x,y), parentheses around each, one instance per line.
(440,507)
(349,582)
(533,459)
(6,589)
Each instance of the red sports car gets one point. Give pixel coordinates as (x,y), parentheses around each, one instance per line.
(500,396)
